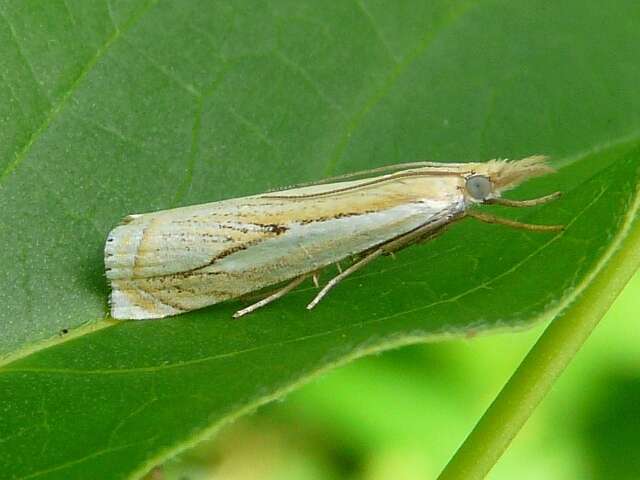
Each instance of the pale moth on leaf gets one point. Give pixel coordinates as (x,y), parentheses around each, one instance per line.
(174,261)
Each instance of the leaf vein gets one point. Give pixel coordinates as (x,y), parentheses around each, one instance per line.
(376,30)
(165,71)
(251,126)
(302,72)
(196,129)
(14,95)
(393,76)
(56,108)
(77,461)
(67,10)
(110,130)
(21,54)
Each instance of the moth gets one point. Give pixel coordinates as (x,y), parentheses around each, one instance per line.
(173,261)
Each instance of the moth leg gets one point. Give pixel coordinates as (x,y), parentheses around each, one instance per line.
(483,217)
(419,234)
(345,273)
(314,277)
(524,203)
(406,241)
(274,296)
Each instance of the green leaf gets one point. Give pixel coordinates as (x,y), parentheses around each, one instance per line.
(121,107)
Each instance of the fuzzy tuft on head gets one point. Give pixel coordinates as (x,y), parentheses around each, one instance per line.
(505,174)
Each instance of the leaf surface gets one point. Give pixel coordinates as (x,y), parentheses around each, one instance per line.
(123,107)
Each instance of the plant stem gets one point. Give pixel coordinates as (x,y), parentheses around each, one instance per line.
(542,366)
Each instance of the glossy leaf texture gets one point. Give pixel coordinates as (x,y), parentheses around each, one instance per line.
(131,106)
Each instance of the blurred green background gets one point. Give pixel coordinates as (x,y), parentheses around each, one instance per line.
(401,415)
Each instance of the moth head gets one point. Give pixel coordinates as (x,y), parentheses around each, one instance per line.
(492,178)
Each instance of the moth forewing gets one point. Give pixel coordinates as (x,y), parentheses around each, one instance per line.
(173,261)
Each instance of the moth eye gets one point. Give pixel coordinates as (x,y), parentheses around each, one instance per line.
(479,187)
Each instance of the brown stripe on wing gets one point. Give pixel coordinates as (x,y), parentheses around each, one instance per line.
(389,178)
(136,291)
(274,229)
